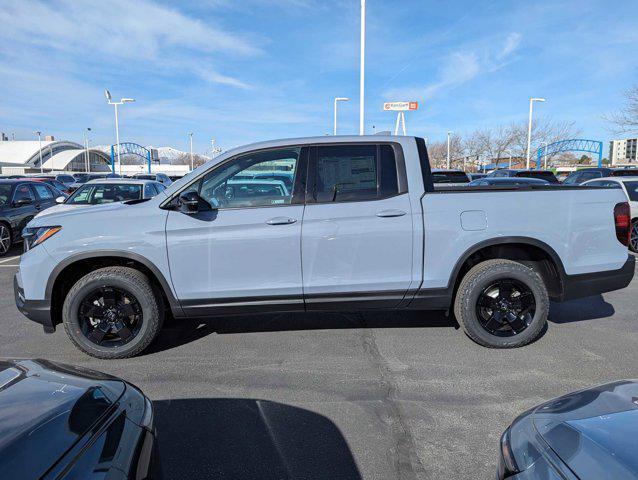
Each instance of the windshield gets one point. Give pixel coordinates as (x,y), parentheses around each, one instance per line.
(98,193)
(5,193)
(632,190)
(450,177)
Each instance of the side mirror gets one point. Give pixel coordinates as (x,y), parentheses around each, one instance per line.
(20,202)
(60,199)
(191,202)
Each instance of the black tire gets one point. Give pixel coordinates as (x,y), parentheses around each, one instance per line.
(470,310)
(6,239)
(135,284)
(633,238)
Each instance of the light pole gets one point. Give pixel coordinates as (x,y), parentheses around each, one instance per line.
(337,99)
(529,126)
(86,150)
(191,141)
(509,152)
(544,156)
(122,101)
(39,134)
(362,67)
(448,149)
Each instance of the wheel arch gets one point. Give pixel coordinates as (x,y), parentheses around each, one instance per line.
(529,251)
(67,272)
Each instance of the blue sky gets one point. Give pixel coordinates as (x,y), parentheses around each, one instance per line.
(250,70)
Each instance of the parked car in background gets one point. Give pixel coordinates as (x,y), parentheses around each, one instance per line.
(476,176)
(624,172)
(20,201)
(363,223)
(584,174)
(82,178)
(66,179)
(449,178)
(629,185)
(508,182)
(174,178)
(97,192)
(542,174)
(64,422)
(156,177)
(58,186)
(589,434)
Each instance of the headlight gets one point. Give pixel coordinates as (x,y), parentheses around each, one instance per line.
(36,235)
(507,464)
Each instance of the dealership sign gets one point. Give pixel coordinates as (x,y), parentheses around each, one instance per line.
(401,106)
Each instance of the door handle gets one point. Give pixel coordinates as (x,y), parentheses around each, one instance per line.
(391,213)
(281,221)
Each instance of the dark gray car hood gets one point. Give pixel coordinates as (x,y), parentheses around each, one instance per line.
(594,431)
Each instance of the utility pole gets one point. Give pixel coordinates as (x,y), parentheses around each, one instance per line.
(362,68)
(87,159)
(529,127)
(336,100)
(448,150)
(39,134)
(191,141)
(122,101)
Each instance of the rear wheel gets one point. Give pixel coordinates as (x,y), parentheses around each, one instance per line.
(633,238)
(5,239)
(502,304)
(112,312)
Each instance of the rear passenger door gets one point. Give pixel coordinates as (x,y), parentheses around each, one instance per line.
(357,227)
(45,196)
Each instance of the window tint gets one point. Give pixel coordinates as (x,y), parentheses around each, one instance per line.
(150,191)
(584,176)
(160,187)
(632,190)
(237,184)
(355,172)
(23,191)
(43,191)
(65,179)
(450,177)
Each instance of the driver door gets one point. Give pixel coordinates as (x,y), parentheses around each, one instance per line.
(244,254)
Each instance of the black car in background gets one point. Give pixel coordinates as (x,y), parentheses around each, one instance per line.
(450,178)
(547,175)
(20,201)
(58,421)
(508,182)
(584,174)
(590,434)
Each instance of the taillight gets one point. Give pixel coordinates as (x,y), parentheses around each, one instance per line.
(622,219)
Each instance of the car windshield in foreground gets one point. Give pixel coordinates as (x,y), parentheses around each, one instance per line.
(632,190)
(450,177)
(98,193)
(5,193)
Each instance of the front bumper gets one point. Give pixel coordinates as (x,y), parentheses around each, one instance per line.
(38,311)
(586,284)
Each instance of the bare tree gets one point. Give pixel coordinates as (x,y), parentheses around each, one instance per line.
(626,119)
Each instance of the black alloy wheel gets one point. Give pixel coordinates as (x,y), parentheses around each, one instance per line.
(633,239)
(110,317)
(506,307)
(5,239)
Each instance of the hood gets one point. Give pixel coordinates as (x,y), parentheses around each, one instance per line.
(56,214)
(45,408)
(594,431)
(59,209)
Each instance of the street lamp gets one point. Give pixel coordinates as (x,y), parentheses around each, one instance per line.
(191,141)
(122,101)
(362,67)
(337,99)
(509,152)
(39,134)
(448,149)
(529,126)
(544,145)
(87,160)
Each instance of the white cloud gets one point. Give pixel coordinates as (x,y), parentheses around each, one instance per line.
(118,30)
(459,68)
(512,42)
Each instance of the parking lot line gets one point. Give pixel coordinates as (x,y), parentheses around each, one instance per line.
(9,259)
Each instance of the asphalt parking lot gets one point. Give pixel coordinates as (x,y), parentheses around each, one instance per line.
(331,396)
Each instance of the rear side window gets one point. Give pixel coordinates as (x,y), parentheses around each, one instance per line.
(23,192)
(346,173)
(43,192)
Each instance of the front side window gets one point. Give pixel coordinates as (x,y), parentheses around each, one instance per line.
(355,172)
(23,192)
(5,191)
(95,194)
(240,184)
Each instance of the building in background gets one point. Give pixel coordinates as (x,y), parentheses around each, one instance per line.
(18,157)
(623,152)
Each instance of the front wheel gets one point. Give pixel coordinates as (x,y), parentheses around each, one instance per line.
(112,312)
(633,238)
(5,239)
(502,304)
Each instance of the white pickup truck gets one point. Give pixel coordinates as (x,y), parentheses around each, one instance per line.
(316,224)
